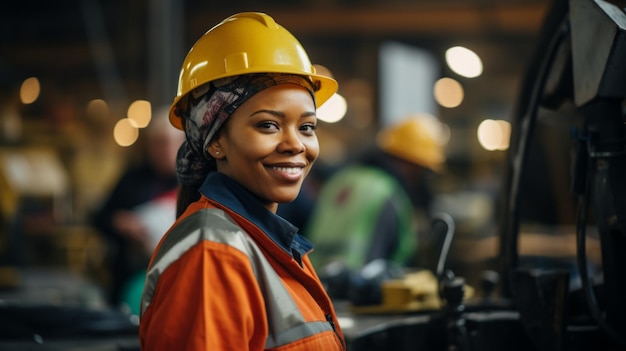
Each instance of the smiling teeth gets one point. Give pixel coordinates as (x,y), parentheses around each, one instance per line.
(289,170)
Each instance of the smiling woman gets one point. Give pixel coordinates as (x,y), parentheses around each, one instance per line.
(230,273)
(269,143)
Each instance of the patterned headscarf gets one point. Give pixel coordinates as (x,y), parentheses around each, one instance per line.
(205,109)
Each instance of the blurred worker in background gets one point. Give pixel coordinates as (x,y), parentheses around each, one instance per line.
(231,274)
(368,210)
(141,206)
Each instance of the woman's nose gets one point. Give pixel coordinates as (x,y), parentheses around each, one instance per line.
(291,142)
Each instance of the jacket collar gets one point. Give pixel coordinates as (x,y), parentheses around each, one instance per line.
(225,190)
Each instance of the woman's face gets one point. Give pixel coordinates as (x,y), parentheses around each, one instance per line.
(269,144)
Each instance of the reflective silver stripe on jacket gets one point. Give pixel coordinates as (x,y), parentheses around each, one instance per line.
(286,323)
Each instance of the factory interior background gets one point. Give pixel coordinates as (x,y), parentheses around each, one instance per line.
(75,74)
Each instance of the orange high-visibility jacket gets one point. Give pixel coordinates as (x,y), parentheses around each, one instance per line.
(228,276)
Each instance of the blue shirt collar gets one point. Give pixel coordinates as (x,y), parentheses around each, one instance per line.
(225,190)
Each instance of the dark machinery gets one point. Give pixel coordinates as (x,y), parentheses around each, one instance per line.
(576,79)
(582,65)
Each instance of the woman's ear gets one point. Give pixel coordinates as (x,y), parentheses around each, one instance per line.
(215,150)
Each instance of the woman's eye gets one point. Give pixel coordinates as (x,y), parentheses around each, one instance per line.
(309,128)
(268,125)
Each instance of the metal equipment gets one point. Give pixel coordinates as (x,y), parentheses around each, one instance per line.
(576,86)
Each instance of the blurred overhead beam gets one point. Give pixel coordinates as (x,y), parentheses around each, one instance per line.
(465,19)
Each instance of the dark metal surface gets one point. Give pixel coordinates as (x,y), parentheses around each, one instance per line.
(598,50)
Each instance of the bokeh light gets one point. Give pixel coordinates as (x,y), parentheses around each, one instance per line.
(464,62)
(97,108)
(125,132)
(30,90)
(333,110)
(140,113)
(494,134)
(448,92)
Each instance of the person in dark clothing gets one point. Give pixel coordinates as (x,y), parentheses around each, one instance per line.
(140,205)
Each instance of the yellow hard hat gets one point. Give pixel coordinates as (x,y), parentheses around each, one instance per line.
(247,42)
(416,139)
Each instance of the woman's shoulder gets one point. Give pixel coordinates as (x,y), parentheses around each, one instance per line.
(208,223)
(203,229)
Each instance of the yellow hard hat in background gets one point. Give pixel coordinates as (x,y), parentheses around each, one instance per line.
(247,42)
(416,139)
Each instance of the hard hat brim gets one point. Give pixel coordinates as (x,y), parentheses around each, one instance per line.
(327,87)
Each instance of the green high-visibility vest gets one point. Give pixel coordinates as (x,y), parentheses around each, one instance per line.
(342,225)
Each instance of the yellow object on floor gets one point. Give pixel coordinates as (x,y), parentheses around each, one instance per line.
(417,291)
